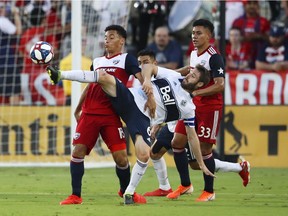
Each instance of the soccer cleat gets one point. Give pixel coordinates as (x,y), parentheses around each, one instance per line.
(180,191)
(158,192)
(54,74)
(72,199)
(120,193)
(245,172)
(205,197)
(134,199)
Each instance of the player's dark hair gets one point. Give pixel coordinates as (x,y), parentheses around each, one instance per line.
(147,52)
(119,29)
(206,24)
(204,74)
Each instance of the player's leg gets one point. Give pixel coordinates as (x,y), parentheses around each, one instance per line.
(161,145)
(207,128)
(86,132)
(138,170)
(114,137)
(179,142)
(106,80)
(243,168)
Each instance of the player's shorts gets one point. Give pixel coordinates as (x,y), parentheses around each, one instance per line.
(207,125)
(109,126)
(127,109)
(165,136)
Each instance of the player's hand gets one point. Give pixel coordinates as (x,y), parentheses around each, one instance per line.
(151,105)
(206,170)
(154,130)
(147,87)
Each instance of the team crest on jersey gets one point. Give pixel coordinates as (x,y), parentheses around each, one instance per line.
(183,103)
(203,62)
(116,61)
(76,136)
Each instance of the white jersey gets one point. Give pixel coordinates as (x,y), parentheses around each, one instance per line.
(173,102)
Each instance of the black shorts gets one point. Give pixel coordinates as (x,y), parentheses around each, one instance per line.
(166,136)
(125,106)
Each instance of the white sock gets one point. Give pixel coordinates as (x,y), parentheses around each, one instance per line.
(225,166)
(80,76)
(136,175)
(161,172)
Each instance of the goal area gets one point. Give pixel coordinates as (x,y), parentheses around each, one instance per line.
(36,118)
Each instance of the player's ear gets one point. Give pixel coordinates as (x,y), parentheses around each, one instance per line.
(199,84)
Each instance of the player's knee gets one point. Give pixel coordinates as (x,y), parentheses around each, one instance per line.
(120,158)
(79,151)
(156,156)
(194,165)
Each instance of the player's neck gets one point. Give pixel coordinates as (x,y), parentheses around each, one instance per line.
(202,48)
(111,54)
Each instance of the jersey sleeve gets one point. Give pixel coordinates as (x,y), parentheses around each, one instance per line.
(190,122)
(131,65)
(165,73)
(217,66)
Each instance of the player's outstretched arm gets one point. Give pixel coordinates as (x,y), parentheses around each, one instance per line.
(194,144)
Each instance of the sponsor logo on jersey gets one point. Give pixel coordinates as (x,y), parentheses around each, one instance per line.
(168,99)
(111,70)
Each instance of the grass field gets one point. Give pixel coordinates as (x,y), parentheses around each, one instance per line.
(37,191)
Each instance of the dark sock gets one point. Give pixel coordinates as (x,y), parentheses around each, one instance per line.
(209,180)
(77,172)
(124,177)
(181,162)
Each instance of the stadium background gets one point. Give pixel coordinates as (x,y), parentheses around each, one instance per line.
(38,134)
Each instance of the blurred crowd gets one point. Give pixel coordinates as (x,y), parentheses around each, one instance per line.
(254,40)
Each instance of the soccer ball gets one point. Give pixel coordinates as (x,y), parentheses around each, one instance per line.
(41,53)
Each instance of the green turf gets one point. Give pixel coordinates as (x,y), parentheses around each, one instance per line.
(37,191)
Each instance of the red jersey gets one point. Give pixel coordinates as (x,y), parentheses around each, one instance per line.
(121,66)
(213,62)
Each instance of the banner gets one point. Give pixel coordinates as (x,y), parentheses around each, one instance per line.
(258,133)
(41,135)
(256,88)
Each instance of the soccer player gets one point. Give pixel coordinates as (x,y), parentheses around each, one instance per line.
(163,143)
(95,115)
(209,103)
(167,98)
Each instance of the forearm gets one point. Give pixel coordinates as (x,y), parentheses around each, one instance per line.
(194,144)
(184,70)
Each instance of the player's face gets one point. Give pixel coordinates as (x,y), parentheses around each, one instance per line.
(113,42)
(200,36)
(191,80)
(146,60)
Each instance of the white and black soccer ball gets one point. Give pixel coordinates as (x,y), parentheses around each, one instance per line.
(41,52)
